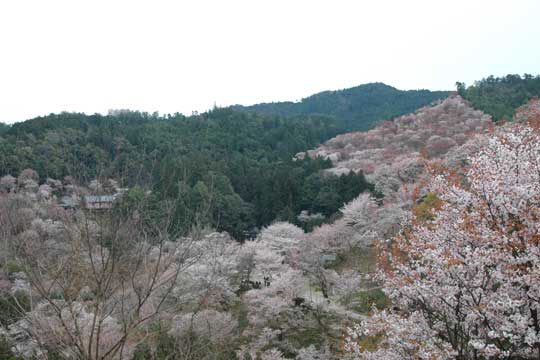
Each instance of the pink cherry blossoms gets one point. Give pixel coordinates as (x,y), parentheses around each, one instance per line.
(466,285)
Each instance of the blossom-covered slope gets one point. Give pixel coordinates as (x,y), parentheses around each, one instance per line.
(464,283)
(431,132)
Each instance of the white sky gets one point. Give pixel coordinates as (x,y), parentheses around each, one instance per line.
(177,56)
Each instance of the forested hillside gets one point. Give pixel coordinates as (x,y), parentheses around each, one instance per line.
(359,108)
(227,169)
(231,169)
(501,96)
(404,265)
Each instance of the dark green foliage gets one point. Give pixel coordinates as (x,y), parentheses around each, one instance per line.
(3,128)
(368,298)
(145,204)
(143,352)
(461,89)
(13,307)
(226,169)
(11,266)
(53,354)
(500,97)
(357,108)
(303,338)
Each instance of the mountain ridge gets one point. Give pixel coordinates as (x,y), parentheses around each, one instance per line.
(359,107)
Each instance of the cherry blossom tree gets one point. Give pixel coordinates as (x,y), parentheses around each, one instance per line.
(7,183)
(258,264)
(311,353)
(283,238)
(368,221)
(28,180)
(359,215)
(529,112)
(466,284)
(274,305)
(96,282)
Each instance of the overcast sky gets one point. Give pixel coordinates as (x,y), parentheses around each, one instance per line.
(180,56)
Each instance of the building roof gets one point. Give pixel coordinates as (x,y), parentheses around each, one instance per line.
(99,198)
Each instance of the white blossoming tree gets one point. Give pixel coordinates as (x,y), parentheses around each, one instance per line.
(466,285)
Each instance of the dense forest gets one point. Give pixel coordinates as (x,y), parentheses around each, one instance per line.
(501,96)
(234,167)
(359,108)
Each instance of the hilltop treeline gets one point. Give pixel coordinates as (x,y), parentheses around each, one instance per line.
(501,96)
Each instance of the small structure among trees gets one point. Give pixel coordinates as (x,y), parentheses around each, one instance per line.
(99,202)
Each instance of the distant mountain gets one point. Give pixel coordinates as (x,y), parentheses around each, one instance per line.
(359,108)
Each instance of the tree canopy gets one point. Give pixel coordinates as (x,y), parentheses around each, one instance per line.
(501,96)
(228,169)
